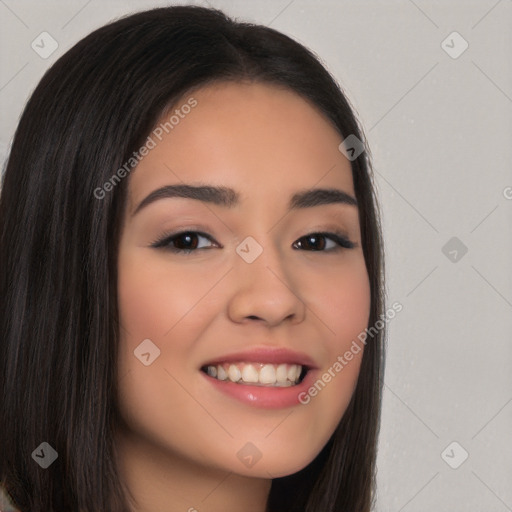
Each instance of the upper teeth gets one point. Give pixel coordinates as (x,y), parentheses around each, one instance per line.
(258,374)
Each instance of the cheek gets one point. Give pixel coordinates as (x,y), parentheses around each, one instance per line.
(146,306)
(155,304)
(160,305)
(152,306)
(342,302)
(154,297)
(341,299)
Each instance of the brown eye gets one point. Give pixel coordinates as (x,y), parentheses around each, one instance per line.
(312,242)
(186,242)
(325,242)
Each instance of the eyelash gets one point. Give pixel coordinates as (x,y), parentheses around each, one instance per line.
(165,241)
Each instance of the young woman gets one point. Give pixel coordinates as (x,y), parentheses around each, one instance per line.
(191,262)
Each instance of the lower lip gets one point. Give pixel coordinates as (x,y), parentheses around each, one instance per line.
(265,397)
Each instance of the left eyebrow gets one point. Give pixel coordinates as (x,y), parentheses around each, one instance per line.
(227,197)
(319,196)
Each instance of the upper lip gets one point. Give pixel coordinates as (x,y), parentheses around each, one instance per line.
(265,355)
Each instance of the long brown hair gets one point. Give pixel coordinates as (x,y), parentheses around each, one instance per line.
(58,247)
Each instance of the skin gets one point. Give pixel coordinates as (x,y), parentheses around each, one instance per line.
(179,436)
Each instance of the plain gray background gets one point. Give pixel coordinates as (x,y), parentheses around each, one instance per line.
(440,130)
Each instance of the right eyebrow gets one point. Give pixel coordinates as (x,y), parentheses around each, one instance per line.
(221,196)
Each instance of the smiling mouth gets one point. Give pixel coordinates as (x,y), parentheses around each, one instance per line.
(257,374)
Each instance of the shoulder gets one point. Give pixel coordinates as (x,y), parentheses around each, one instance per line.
(5,502)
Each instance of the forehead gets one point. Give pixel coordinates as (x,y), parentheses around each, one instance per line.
(259,139)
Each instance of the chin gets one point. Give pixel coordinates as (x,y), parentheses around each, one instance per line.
(270,461)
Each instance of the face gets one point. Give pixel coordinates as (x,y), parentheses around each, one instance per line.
(235,299)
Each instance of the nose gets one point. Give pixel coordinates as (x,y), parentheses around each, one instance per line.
(265,291)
